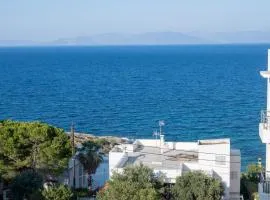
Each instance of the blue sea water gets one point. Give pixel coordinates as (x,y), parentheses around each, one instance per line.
(201,92)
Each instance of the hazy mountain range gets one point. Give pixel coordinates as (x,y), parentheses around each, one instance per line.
(153,38)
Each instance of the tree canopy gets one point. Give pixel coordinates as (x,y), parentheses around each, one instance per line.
(25,184)
(197,186)
(250,179)
(32,145)
(90,157)
(135,183)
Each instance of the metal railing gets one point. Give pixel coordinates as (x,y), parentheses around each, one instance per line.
(265,187)
(265,118)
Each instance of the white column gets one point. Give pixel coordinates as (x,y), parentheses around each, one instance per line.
(268,85)
(267,152)
(267,162)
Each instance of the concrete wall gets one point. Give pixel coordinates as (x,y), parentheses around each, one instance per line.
(149,142)
(235,174)
(189,146)
(217,158)
(114,159)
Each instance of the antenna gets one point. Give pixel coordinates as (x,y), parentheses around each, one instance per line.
(161,123)
(155,134)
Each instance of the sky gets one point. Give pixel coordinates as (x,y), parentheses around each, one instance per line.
(44,20)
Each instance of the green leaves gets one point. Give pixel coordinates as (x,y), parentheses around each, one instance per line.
(197,186)
(90,156)
(25,184)
(135,183)
(32,145)
(60,192)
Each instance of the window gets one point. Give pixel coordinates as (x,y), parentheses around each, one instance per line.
(220,160)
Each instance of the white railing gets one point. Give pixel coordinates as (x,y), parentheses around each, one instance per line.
(264,187)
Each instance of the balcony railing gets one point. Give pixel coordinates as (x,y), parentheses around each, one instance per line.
(265,118)
(264,187)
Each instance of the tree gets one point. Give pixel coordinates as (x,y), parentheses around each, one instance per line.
(197,186)
(90,157)
(32,145)
(25,184)
(58,192)
(250,180)
(134,183)
(253,173)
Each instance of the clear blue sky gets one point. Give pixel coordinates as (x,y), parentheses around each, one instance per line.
(51,19)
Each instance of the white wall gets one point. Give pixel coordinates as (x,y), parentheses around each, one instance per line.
(191,146)
(216,157)
(114,159)
(148,142)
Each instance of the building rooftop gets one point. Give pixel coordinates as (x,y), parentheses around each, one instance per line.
(152,157)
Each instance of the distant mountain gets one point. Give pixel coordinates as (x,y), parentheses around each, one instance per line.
(243,37)
(151,38)
(17,43)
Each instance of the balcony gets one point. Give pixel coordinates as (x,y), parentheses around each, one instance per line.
(264,190)
(264,127)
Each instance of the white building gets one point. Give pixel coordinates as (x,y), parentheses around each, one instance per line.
(99,178)
(214,157)
(264,131)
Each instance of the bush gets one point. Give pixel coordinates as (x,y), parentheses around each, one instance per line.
(82,192)
(136,183)
(197,186)
(59,192)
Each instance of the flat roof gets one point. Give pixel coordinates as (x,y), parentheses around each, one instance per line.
(153,158)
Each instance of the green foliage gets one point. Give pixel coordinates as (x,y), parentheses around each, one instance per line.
(253,172)
(250,180)
(90,157)
(106,144)
(26,184)
(81,192)
(135,183)
(60,192)
(197,186)
(32,145)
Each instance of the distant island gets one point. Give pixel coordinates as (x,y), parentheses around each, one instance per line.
(151,38)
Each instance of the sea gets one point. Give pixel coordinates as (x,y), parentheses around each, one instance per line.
(200,91)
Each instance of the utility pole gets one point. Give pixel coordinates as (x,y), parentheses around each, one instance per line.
(73,153)
(72,139)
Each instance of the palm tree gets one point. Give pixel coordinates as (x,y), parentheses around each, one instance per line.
(90,157)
